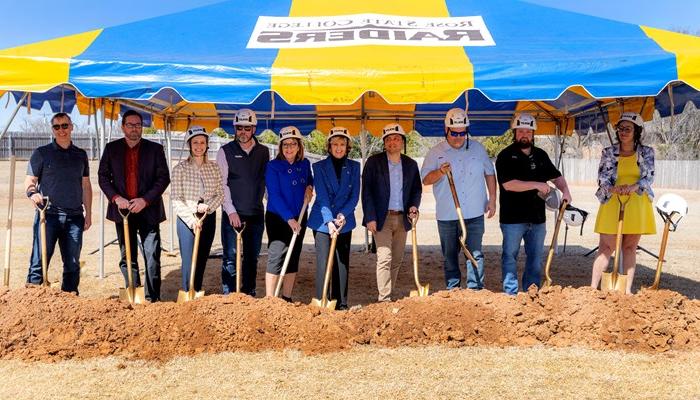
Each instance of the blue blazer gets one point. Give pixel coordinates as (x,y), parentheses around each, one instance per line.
(376,190)
(333,197)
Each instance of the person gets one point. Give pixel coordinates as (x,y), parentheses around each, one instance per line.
(475,184)
(337,185)
(626,171)
(60,172)
(391,194)
(197,189)
(133,175)
(242,163)
(523,172)
(289,182)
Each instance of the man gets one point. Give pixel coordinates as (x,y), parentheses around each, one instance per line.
(391,194)
(242,163)
(523,172)
(59,174)
(133,175)
(473,175)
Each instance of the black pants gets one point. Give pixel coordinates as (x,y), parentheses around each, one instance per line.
(279,236)
(150,248)
(185,236)
(341,265)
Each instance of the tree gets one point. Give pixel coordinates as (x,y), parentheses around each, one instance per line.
(220,132)
(269,137)
(315,143)
(494,144)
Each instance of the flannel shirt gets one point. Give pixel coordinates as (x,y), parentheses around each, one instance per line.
(188,181)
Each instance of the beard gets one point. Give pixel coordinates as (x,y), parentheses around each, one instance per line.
(524,143)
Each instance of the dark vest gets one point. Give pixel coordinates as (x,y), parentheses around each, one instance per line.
(246,177)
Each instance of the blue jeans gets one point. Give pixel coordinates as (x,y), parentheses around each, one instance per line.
(533,236)
(449,232)
(252,240)
(68,231)
(185,237)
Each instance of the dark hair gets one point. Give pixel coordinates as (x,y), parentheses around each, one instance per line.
(131,113)
(300,152)
(637,134)
(60,115)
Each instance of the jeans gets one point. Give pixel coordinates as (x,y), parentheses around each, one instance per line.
(252,240)
(513,234)
(150,248)
(338,287)
(185,237)
(449,232)
(68,231)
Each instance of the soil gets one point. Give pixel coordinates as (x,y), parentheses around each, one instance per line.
(44,324)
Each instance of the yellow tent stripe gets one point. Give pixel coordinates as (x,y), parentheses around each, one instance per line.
(41,66)
(687,51)
(400,74)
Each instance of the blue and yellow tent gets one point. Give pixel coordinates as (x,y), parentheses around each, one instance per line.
(316,63)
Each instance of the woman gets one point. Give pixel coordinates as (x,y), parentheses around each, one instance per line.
(626,173)
(289,181)
(196,189)
(337,184)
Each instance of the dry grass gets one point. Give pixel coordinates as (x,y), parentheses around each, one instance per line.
(368,373)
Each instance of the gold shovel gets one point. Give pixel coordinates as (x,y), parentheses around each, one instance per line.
(463,237)
(547,281)
(239,255)
(290,248)
(662,251)
(182,295)
(42,237)
(614,280)
(421,290)
(324,302)
(134,295)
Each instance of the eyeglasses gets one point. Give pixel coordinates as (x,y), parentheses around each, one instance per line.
(625,130)
(244,128)
(61,126)
(133,126)
(458,134)
(289,145)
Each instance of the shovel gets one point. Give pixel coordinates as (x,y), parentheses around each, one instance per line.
(547,281)
(668,222)
(421,290)
(134,295)
(613,280)
(182,295)
(239,255)
(42,237)
(288,256)
(463,237)
(324,302)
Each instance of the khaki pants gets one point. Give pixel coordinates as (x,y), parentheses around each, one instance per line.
(391,241)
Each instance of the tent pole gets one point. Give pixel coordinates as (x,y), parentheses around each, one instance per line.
(8,232)
(13,115)
(171,222)
(607,124)
(363,153)
(101,267)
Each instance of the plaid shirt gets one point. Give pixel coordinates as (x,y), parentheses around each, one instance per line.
(191,183)
(607,171)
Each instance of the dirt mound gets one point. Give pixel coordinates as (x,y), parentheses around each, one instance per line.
(45,324)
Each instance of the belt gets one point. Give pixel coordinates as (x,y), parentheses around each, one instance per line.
(395,212)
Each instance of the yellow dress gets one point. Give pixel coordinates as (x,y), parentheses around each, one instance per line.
(639,213)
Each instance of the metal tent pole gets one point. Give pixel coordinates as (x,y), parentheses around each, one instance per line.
(12,116)
(101,144)
(8,232)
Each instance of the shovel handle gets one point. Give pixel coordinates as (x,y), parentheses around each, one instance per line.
(618,236)
(414,243)
(127,250)
(329,264)
(290,248)
(550,254)
(662,253)
(239,254)
(195,248)
(458,208)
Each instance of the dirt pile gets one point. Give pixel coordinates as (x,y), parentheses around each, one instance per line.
(45,324)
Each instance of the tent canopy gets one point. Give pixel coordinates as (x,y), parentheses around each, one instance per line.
(316,64)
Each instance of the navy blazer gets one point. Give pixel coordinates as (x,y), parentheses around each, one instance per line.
(153,178)
(333,197)
(376,190)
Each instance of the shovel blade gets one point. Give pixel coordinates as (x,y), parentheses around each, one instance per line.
(546,283)
(134,296)
(606,281)
(621,284)
(330,304)
(422,291)
(184,296)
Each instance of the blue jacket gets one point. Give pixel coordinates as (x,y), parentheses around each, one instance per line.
(286,184)
(376,190)
(333,197)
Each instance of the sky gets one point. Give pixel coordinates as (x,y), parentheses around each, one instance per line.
(46,19)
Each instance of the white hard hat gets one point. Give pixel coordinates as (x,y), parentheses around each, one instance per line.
(393,129)
(196,131)
(290,132)
(525,121)
(339,131)
(456,118)
(574,216)
(672,203)
(552,200)
(245,117)
(632,117)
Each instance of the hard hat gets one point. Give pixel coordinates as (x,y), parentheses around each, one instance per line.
(393,129)
(632,117)
(196,131)
(525,121)
(290,132)
(339,131)
(456,118)
(245,117)
(672,203)
(552,200)
(574,216)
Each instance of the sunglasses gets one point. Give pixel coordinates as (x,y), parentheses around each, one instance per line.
(60,126)
(458,134)
(131,126)
(244,128)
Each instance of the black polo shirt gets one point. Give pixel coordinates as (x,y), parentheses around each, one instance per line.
(513,164)
(60,172)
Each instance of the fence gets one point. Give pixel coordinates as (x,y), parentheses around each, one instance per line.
(671,174)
